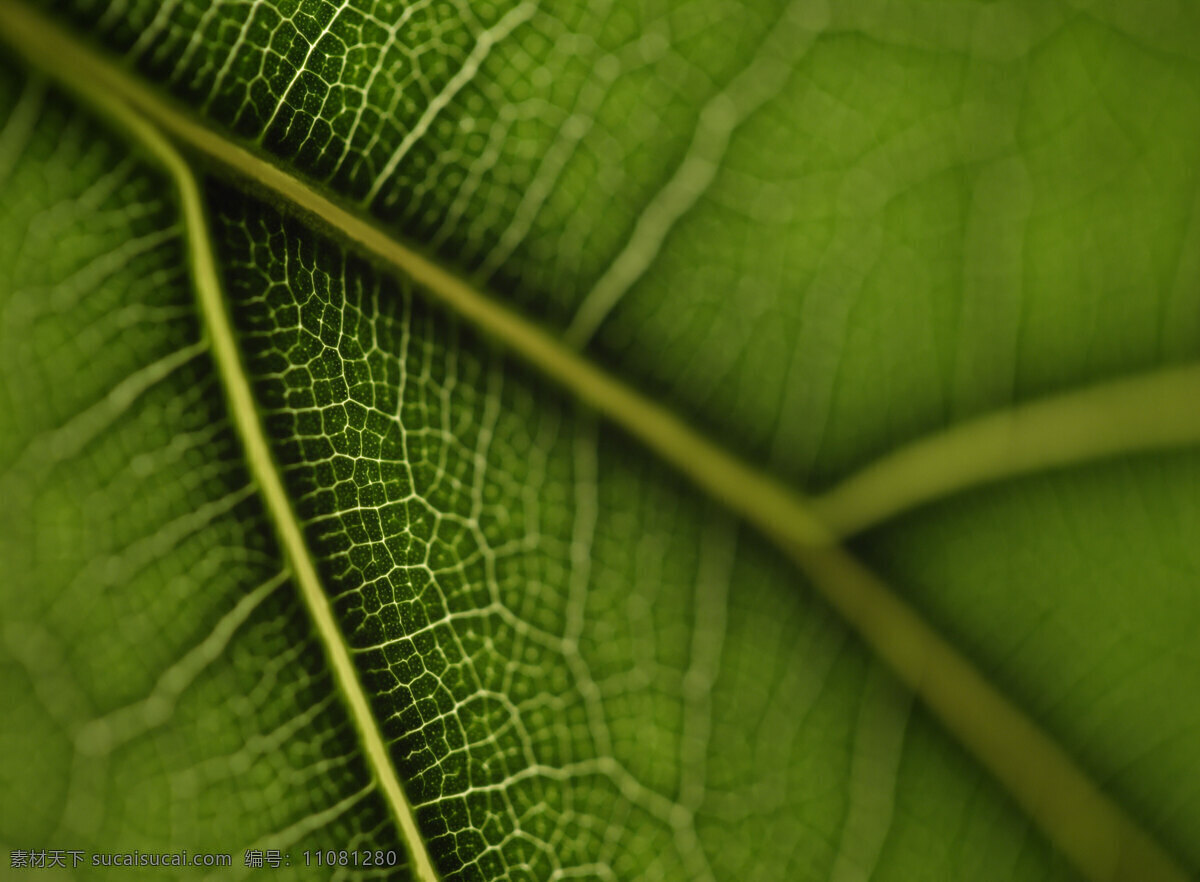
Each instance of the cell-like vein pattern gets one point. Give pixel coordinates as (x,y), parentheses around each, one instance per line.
(478,563)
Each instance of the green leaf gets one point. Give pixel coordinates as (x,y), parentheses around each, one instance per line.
(342,347)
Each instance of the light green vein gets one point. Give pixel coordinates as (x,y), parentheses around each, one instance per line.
(1151,412)
(1090,829)
(244,411)
(262,466)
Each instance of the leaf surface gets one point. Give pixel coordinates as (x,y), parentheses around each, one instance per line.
(579,667)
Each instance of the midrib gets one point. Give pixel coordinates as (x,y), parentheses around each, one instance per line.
(1096,834)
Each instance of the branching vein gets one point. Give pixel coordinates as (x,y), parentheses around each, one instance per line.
(1096,834)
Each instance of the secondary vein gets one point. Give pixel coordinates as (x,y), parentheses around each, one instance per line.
(262,466)
(1104,842)
(1154,411)
(244,412)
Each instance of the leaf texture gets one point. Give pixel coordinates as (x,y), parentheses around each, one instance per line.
(817,240)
